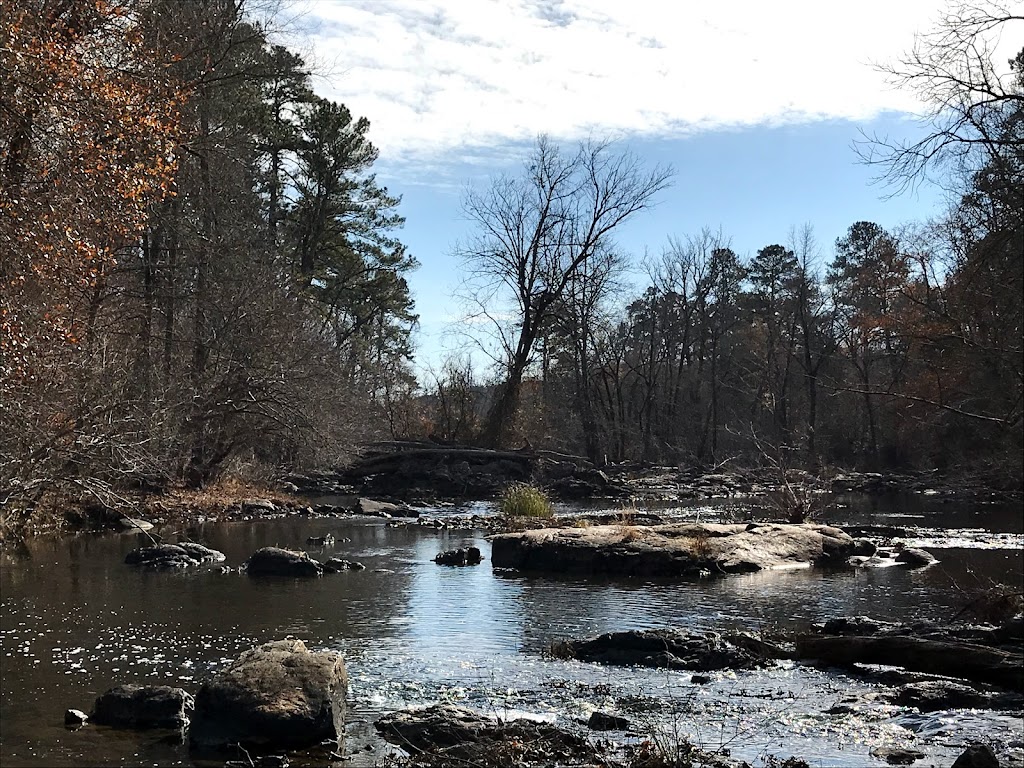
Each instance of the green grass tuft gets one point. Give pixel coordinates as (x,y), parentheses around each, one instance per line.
(524,500)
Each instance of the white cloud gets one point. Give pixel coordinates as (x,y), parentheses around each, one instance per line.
(437,76)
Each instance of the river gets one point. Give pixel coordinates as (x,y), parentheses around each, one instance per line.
(76,621)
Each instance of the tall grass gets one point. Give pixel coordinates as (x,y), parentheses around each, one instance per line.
(524,500)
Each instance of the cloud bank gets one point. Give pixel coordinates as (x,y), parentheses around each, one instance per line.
(440,75)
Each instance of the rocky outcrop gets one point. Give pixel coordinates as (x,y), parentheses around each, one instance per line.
(277,696)
(685,549)
(143,706)
(274,561)
(171,556)
(668,648)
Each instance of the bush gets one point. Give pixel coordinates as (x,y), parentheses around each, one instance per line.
(524,500)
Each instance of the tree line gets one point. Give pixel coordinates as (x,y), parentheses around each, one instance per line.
(201,272)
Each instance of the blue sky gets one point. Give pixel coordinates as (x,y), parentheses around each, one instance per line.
(756,105)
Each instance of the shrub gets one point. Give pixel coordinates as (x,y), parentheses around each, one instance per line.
(524,500)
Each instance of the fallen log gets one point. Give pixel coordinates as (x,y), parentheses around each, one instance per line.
(966,661)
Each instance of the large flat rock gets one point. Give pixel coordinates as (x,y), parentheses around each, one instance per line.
(682,549)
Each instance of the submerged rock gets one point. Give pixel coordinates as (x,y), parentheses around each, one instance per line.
(897,756)
(274,561)
(169,556)
(143,706)
(669,648)
(337,565)
(446,735)
(277,696)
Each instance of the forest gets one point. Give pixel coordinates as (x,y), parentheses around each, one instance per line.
(201,275)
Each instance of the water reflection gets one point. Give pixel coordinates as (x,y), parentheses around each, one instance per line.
(75,621)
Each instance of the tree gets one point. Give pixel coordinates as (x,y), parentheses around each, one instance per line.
(969,98)
(538,234)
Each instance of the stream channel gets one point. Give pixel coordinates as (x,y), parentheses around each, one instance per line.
(75,621)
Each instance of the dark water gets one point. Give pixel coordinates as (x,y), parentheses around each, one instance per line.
(76,621)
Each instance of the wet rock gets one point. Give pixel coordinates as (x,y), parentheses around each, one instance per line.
(274,561)
(864,548)
(935,695)
(668,648)
(135,524)
(700,679)
(143,706)
(977,756)
(337,565)
(75,718)
(258,507)
(320,541)
(384,509)
(603,721)
(857,625)
(468,556)
(446,735)
(897,756)
(279,695)
(915,558)
(170,556)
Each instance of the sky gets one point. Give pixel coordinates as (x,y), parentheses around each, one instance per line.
(756,106)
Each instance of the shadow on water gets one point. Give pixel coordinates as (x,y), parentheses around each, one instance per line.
(76,620)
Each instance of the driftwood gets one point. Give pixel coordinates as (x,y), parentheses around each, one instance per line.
(966,661)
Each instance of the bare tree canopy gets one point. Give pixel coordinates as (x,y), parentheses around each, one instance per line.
(540,233)
(973,101)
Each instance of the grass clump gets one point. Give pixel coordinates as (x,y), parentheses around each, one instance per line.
(525,500)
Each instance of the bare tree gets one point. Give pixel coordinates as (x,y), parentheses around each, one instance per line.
(968,97)
(537,235)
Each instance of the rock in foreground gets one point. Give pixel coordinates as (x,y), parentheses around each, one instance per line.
(684,549)
(277,696)
(142,706)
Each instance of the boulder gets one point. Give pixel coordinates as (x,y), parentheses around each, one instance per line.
(603,721)
(277,696)
(384,509)
(274,561)
(169,556)
(143,706)
(468,556)
(977,756)
(915,558)
(668,648)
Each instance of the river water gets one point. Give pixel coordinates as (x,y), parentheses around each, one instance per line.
(76,621)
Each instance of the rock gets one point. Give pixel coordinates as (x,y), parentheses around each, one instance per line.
(452,735)
(935,695)
(384,509)
(857,625)
(74,718)
(136,524)
(700,679)
(337,565)
(603,721)
(681,549)
(143,706)
(258,507)
(977,756)
(915,558)
(897,756)
(167,556)
(672,649)
(274,561)
(279,695)
(864,547)
(320,541)
(469,556)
